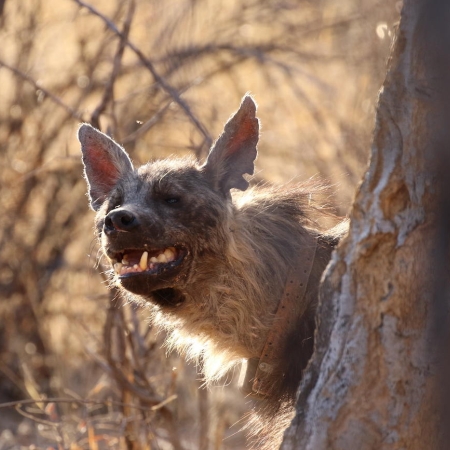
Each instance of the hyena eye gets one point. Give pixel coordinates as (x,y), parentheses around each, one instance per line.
(172,200)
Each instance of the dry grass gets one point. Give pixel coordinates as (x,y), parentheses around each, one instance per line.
(161,77)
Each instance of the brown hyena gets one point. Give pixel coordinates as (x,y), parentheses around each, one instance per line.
(216,270)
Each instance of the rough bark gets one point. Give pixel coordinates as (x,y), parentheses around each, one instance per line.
(371,382)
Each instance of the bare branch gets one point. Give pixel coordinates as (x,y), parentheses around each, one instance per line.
(46,92)
(108,93)
(80,401)
(148,64)
(146,125)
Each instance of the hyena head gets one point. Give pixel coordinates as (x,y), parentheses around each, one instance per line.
(165,226)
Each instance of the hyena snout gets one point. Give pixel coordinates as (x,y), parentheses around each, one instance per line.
(120,219)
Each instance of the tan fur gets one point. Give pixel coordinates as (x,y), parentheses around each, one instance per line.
(221,321)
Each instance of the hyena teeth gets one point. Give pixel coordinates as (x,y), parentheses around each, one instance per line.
(117,268)
(162,258)
(143,261)
(153,260)
(135,266)
(169,254)
(124,262)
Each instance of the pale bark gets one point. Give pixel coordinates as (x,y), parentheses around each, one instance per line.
(371,382)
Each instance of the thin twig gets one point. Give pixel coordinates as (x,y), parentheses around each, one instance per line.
(17,403)
(119,376)
(204,424)
(108,94)
(46,92)
(250,51)
(148,64)
(146,125)
(34,418)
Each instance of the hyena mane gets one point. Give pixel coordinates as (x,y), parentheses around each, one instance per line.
(212,259)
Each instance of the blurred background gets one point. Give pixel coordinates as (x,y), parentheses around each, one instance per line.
(162,78)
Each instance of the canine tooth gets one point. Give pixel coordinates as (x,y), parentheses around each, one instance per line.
(117,268)
(143,261)
(153,259)
(169,254)
(162,258)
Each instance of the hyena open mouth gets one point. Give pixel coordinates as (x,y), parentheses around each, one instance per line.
(132,262)
(152,273)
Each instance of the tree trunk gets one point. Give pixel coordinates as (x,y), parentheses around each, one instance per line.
(372,381)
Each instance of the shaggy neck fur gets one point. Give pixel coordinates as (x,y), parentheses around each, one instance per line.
(230,308)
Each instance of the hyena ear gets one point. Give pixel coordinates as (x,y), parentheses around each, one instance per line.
(104,163)
(234,153)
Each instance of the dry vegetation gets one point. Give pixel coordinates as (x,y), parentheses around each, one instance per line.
(161,77)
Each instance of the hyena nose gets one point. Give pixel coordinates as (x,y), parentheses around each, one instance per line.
(120,220)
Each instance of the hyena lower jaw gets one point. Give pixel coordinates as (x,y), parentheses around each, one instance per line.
(150,272)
